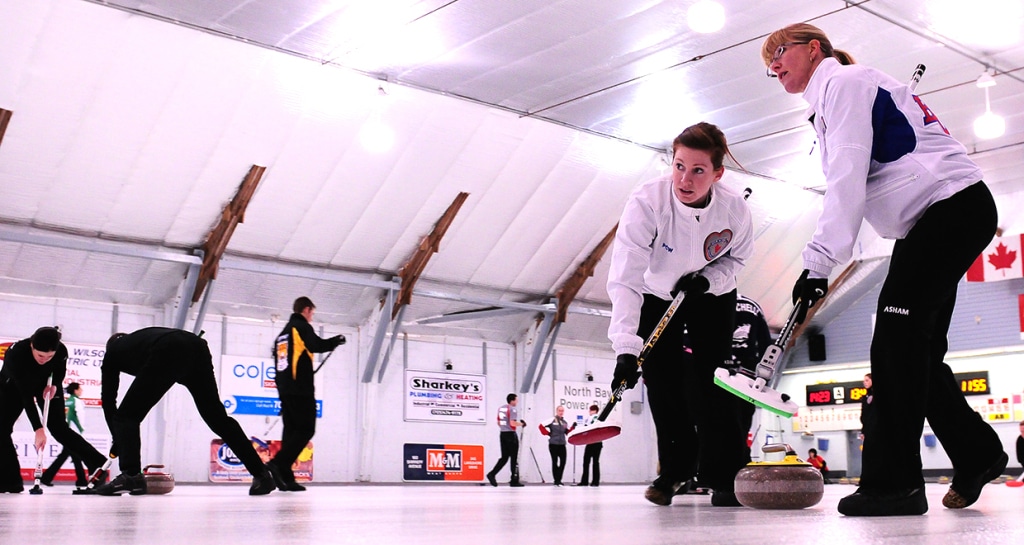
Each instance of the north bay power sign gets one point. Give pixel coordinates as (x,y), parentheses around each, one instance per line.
(445,397)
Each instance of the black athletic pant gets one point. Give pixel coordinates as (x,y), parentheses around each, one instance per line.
(298,416)
(10,409)
(81,478)
(592,456)
(910,380)
(557,462)
(184,359)
(509,452)
(700,426)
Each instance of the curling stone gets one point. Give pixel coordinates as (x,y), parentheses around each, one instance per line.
(157,480)
(787,484)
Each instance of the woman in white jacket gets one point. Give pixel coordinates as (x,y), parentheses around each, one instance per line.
(684,232)
(887,159)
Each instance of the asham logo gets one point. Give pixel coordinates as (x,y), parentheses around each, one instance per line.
(896,310)
(446,385)
(444,460)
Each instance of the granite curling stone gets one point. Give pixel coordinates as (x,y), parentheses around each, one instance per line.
(787,484)
(157,480)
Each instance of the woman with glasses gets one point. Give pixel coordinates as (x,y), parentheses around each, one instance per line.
(887,159)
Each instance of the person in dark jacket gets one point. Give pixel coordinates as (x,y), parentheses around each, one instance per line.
(293,356)
(28,364)
(158,358)
(749,342)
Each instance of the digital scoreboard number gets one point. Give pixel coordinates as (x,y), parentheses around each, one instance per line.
(839,393)
(974,383)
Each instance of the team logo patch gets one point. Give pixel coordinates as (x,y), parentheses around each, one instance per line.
(716,243)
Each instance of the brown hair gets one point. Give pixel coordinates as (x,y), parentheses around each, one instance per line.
(706,137)
(802,33)
(301,304)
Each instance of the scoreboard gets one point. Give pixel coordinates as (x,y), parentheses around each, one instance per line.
(839,393)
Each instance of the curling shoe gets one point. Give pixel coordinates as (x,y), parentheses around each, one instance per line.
(491,479)
(132,484)
(965,489)
(877,503)
(294,487)
(262,484)
(660,493)
(279,481)
(516,484)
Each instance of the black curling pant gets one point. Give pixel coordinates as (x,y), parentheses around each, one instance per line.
(10,410)
(81,479)
(298,417)
(558,455)
(592,457)
(911,381)
(184,359)
(509,453)
(700,426)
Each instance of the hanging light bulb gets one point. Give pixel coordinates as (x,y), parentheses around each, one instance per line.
(988,125)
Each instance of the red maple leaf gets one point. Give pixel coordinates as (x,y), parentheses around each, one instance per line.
(1002,259)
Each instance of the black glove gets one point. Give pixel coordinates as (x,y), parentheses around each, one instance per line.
(691,284)
(337,341)
(626,368)
(810,290)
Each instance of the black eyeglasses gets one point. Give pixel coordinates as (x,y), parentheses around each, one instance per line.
(778,53)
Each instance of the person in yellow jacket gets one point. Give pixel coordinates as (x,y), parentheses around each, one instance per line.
(293,356)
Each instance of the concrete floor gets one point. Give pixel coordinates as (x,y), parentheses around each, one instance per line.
(535,515)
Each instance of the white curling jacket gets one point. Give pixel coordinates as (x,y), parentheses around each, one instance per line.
(660,239)
(885,156)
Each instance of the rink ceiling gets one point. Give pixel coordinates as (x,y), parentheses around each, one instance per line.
(134,122)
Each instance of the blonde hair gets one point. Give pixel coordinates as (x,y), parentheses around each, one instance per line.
(802,33)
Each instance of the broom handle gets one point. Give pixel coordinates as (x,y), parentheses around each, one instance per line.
(653,338)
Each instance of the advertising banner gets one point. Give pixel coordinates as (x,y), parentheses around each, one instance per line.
(443,462)
(247,386)
(445,397)
(225,467)
(577,397)
(24,444)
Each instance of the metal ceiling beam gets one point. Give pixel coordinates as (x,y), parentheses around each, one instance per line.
(220,235)
(311,272)
(492,312)
(391,346)
(88,244)
(538,348)
(411,271)
(378,337)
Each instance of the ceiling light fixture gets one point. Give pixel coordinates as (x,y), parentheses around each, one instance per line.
(706,16)
(988,125)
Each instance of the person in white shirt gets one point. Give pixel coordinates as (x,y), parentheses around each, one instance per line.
(684,232)
(887,159)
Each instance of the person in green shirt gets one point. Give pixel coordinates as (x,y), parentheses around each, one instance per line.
(74,391)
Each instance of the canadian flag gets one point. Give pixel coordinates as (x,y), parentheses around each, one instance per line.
(1000,261)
